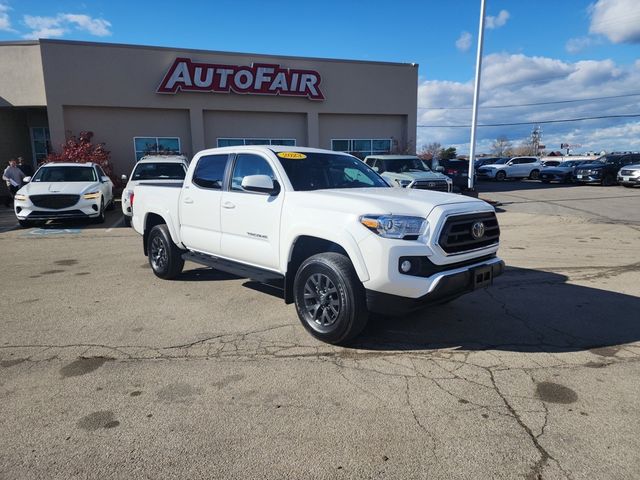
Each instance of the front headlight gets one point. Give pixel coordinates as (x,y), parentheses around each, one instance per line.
(20,197)
(91,195)
(403,183)
(395,226)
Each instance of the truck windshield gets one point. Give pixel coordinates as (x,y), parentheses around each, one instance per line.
(405,165)
(65,174)
(158,171)
(320,171)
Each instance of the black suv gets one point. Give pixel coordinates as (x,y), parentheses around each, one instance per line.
(604,171)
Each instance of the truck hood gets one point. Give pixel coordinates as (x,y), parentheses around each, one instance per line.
(73,188)
(398,201)
(414,175)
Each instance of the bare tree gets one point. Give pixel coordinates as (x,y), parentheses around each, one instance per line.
(501,147)
(430,151)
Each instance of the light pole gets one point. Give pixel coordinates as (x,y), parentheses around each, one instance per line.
(476,94)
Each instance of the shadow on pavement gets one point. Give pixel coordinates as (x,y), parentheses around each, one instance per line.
(525,311)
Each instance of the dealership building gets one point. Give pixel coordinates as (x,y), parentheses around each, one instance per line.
(140,99)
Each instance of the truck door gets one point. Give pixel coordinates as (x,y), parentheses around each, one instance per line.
(251,221)
(200,205)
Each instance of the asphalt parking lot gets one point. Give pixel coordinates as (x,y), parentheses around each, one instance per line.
(108,372)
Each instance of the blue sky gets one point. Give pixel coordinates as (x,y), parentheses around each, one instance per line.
(535,52)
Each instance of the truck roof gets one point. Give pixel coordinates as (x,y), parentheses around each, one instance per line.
(267,148)
(392,157)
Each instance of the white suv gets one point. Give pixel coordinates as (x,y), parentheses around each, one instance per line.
(517,167)
(156,168)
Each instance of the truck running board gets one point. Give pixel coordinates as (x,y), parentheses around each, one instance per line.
(235,268)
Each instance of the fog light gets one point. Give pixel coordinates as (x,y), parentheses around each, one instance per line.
(18,209)
(95,207)
(405,266)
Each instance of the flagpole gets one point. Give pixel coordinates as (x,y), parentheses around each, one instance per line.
(476,94)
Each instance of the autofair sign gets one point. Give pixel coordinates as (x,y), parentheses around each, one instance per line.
(258,79)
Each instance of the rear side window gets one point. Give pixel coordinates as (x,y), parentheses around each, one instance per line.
(209,171)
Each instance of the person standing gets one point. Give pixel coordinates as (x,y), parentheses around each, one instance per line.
(26,168)
(13,176)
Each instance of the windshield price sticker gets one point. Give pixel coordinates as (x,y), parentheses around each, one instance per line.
(292,155)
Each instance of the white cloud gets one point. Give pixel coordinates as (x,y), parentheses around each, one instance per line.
(496,22)
(5,21)
(517,79)
(63,23)
(618,20)
(463,43)
(576,45)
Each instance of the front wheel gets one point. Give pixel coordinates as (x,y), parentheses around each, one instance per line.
(330,299)
(24,223)
(165,258)
(608,180)
(534,175)
(501,175)
(101,217)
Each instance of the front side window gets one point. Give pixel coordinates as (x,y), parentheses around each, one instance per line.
(158,171)
(248,164)
(209,172)
(65,174)
(154,145)
(319,171)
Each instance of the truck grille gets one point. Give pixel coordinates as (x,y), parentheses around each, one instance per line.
(457,232)
(55,201)
(438,185)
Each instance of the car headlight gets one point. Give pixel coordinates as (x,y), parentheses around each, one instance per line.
(20,197)
(395,226)
(403,183)
(91,195)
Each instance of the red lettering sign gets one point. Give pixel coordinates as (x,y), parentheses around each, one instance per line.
(258,79)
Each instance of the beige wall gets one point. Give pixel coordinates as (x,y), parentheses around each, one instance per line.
(116,127)
(21,78)
(334,126)
(221,124)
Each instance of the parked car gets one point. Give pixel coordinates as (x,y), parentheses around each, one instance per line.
(629,176)
(64,190)
(604,171)
(457,169)
(562,173)
(487,161)
(550,163)
(408,171)
(322,226)
(517,167)
(159,168)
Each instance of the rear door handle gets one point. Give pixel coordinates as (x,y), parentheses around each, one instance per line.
(188,200)
(228,205)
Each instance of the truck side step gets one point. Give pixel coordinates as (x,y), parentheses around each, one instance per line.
(235,268)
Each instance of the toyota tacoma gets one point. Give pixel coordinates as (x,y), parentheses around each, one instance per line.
(323,227)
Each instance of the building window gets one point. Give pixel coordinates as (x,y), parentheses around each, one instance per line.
(39,143)
(234,142)
(361,147)
(150,145)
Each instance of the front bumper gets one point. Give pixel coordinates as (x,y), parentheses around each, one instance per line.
(444,286)
(627,180)
(592,178)
(25,210)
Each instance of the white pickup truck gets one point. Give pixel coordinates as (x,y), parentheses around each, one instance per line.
(322,226)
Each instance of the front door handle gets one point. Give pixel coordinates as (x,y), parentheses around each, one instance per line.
(228,205)
(188,200)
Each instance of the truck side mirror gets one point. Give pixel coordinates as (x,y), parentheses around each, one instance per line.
(123,178)
(26,179)
(440,169)
(375,169)
(259,184)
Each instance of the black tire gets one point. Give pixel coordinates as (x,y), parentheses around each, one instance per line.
(501,175)
(534,175)
(127,220)
(111,205)
(608,180)
(25,223)
(165,258)
(331,286)
(101,217)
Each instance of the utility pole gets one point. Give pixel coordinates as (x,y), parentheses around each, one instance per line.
(476,95)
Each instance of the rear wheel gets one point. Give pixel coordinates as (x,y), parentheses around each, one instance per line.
(534,175)
(330,299)
(501,175)
(165,258)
